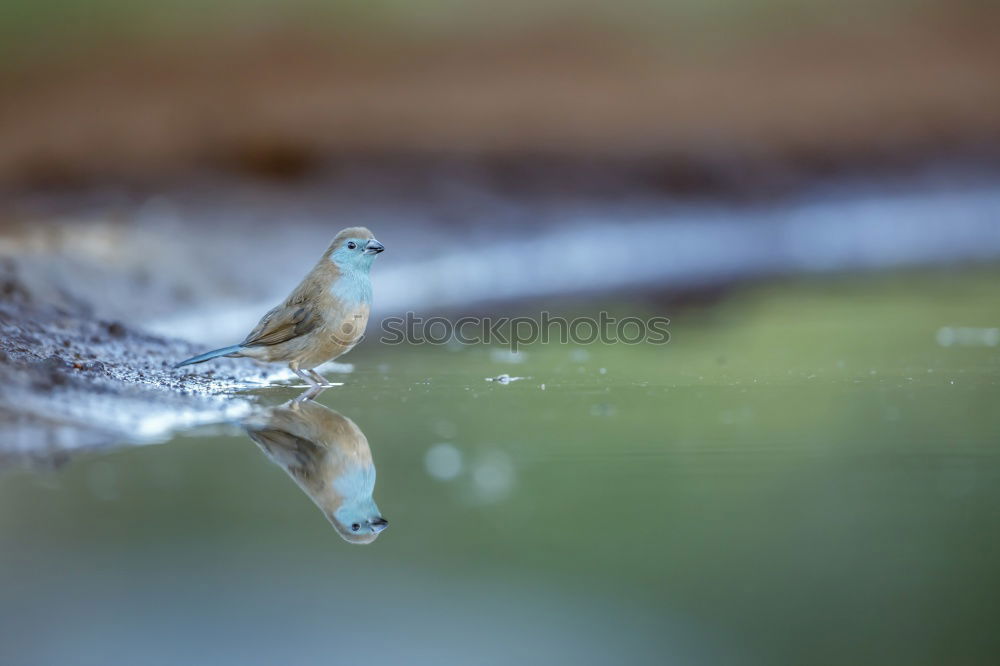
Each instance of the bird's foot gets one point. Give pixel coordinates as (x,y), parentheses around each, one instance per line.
(309,394)
(319,379)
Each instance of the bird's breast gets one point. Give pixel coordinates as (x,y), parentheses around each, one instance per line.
(348,324)
(352,288)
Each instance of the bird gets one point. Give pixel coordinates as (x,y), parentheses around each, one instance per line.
(328,457)
(323,318)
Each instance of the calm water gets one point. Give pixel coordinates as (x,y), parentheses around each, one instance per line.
(804,475)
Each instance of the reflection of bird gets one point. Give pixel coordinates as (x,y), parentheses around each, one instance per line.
(324,317)
(328,457)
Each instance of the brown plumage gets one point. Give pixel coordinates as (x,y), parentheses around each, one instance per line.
(323,317)
(328,457)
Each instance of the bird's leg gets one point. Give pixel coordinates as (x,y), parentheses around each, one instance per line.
(309,394)
(323,381)
(302,374)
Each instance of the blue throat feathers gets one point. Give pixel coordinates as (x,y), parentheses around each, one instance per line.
(355,486)
(354,286)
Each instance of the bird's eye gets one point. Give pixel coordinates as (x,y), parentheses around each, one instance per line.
(355,527)
(351,245)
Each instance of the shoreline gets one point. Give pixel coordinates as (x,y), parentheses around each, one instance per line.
(98,305)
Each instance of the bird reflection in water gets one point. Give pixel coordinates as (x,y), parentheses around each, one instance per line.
(328,457)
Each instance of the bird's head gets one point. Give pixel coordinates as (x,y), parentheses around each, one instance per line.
(358,524)
(354,248)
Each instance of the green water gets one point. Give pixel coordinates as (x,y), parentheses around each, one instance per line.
(804,475)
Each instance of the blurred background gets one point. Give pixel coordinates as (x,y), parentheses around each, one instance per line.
(737,139)
(807,473)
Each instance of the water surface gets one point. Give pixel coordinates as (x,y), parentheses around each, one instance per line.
(807,473)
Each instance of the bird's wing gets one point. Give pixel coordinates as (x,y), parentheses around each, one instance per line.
(289,450)
(282,324)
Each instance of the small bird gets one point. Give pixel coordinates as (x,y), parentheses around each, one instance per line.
(323,317)
(328,457)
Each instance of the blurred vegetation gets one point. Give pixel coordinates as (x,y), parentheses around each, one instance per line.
(118,90)
(45,28)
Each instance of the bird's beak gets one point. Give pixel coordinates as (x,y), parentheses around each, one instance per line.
(373,247)
(379,523)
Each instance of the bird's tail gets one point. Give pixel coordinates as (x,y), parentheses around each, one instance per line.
(208,356)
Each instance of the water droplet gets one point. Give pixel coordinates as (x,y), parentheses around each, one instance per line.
(443,462)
